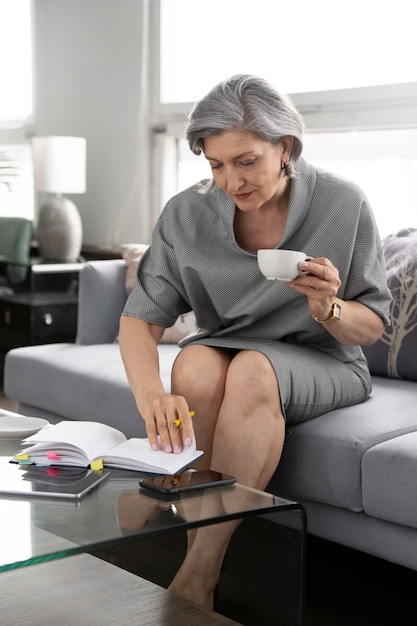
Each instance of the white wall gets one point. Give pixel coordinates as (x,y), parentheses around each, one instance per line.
(87,76)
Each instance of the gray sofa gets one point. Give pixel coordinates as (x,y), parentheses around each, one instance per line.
(354,470)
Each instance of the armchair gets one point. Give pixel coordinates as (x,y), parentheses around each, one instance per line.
(15,240)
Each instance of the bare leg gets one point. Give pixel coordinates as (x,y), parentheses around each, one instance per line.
(199,374)
(247,439)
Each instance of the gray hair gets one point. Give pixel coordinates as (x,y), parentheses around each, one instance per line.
(245,102)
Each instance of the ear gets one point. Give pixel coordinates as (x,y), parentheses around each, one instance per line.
(287,143)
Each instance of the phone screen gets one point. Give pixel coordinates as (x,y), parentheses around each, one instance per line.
(186,481)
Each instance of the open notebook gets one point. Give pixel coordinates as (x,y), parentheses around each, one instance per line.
(95,445)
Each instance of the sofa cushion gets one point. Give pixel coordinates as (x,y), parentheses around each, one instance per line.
(389,480)
(185,324)
(394,354)
(101,298)
(80,382)
(322,458)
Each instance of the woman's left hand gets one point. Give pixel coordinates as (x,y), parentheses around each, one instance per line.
(359,324)
(320,284)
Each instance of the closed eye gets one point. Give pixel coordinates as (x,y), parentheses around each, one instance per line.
(217,166)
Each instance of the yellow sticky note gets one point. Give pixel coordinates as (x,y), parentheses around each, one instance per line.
(97,464)
(22,457)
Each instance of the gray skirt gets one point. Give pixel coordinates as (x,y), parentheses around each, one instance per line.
(311,382)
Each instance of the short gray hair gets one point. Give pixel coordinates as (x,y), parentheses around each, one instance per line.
(245,102)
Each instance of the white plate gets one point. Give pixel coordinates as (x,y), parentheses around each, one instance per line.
(20,426)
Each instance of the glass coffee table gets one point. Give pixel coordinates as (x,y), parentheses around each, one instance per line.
(119,516)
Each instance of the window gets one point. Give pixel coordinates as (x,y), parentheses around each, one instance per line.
(382,162)
(299,46)
(16,109)
(351,73)
(15,61)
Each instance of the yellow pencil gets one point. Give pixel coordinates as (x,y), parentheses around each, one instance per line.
(177,422)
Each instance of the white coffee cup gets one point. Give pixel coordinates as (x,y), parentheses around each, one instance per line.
(280,264)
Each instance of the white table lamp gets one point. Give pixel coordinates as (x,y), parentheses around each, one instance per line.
(59,167)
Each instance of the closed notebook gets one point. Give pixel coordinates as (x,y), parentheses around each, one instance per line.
(84,444)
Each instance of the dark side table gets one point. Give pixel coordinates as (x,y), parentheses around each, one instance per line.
(40,309)
(37,317)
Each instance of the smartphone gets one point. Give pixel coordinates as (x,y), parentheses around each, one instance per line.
(186,481)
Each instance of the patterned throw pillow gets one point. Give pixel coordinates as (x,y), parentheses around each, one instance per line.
(132,254)
(394,355)
(185,324)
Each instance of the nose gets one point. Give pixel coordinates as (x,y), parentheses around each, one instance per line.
(234,181)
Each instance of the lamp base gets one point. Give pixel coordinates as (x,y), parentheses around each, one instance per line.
(59,231)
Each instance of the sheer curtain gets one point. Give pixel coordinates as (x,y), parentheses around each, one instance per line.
(137,201)
(16,109)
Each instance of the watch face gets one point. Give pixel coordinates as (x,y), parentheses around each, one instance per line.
(336,310)
(334,314)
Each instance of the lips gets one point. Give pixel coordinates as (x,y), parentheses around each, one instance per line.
(242,196)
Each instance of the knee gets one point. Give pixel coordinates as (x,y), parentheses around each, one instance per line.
(185,371)
(198,369)
(252,378)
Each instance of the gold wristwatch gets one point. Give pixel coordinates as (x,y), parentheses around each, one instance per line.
(334,315)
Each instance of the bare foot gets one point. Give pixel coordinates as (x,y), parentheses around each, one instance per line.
(199,573)
(192,588)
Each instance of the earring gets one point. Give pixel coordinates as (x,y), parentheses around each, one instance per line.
(284,167)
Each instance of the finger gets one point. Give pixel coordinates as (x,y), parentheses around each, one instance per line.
(161,417)
(321,275)
(168,438)
(182,431)
(187,428)
(152,433)
(175,431)
(314,267)
(158,431)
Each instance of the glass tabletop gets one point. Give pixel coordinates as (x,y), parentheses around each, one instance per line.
(34,529)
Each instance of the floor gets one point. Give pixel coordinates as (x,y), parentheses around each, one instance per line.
(344,587)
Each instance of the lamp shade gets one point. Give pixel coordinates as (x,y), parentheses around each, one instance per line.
(59,164)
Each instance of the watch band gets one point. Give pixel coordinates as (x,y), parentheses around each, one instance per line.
(334,315)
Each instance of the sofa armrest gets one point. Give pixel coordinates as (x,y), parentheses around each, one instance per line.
(102,296)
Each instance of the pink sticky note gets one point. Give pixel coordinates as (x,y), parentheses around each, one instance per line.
(52,456)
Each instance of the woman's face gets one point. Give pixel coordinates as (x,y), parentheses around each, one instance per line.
(247,168)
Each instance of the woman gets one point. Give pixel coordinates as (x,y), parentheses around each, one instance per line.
(267,353)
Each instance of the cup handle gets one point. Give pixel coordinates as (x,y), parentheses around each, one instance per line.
(303,273)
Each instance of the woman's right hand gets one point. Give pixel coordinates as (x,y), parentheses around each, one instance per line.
(158,409)
(160,417)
